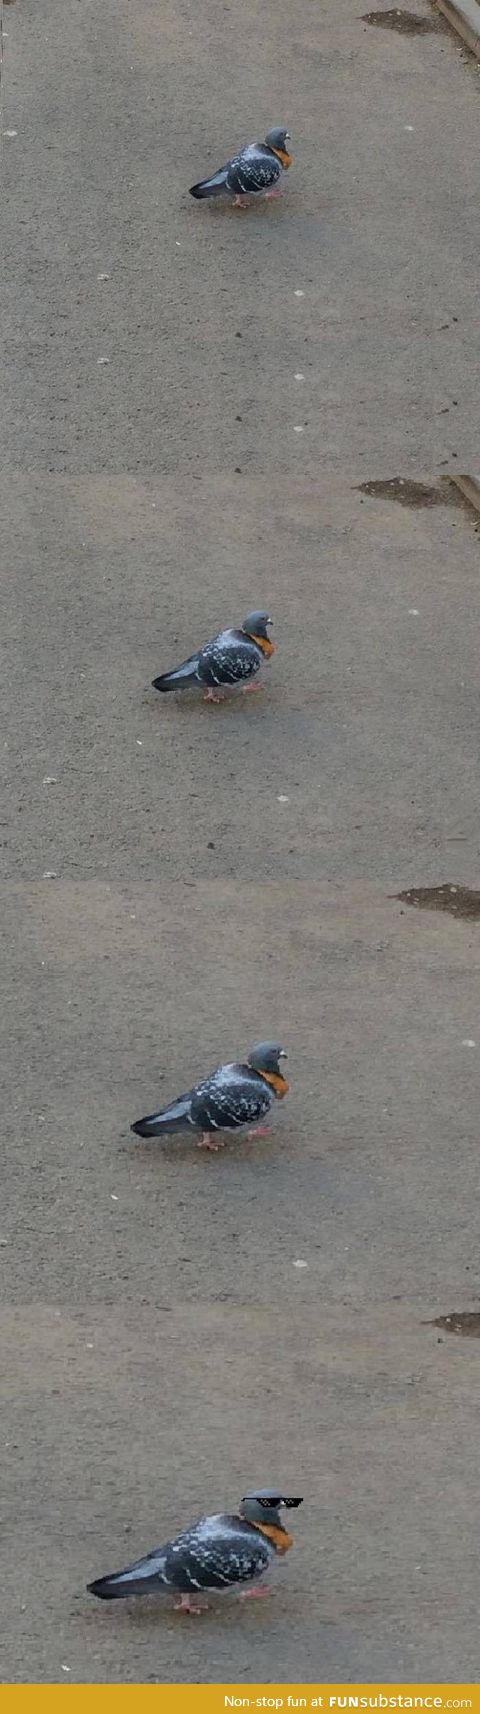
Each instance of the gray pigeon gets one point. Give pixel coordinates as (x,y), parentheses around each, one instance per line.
(255,171)
(232,658)
(233,1097)
(217,1553)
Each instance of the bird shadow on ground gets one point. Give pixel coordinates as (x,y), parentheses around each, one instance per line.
(220,210)
(186,1147)
(194,704)
(152,1609)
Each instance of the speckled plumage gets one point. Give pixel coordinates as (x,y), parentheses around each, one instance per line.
(233,656)
(251,172)
(230,658)
(216,1553)
(231,1097)
(234,1095)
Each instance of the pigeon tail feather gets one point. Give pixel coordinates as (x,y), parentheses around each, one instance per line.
(120,1585)
(173,1118)
(210,187)
(180,678)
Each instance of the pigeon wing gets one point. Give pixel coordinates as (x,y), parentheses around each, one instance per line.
(216,1554)
(254,169)
(231,1097)
(228,659)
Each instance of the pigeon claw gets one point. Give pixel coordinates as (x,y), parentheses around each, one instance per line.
(210,1140)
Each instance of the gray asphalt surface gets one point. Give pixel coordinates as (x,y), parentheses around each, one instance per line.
(163,908)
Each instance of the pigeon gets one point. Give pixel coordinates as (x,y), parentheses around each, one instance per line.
(228,659)
(232,1097)
(253,172)
(215,1554)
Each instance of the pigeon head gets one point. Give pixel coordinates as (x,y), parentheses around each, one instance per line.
(264,1506)
(256,625)
(277,138)
(266,1057)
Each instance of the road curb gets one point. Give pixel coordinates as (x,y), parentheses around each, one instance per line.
(464,16)
(469,486)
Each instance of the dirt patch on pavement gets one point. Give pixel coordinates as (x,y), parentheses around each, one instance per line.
(463,1321)
(410,493)
(458,901)
(406,23)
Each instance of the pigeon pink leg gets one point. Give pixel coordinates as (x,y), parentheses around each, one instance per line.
(213,696)
(269,194)
(241,202)
(256,1594)
(261,1131)
(210,1140)
(247,688)
(190,1604)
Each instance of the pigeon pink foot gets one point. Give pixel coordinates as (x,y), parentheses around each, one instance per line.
(213,696)
(261,1131)
(210,1140)
(256,1594)
(241,202)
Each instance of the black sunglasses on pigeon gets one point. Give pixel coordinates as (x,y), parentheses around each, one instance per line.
(273,1502)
